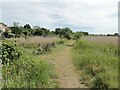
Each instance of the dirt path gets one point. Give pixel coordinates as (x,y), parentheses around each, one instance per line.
(67,77)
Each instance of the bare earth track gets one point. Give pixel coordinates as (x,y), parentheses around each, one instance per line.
(67,77)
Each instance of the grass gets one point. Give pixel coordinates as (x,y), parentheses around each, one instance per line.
(102,40)
(98,64)
(31,42)
(29,71)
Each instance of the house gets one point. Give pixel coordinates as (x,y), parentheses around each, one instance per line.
(4,28)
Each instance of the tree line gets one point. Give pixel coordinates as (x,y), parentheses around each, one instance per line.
(26,30)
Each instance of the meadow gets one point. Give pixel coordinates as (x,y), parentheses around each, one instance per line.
(29,70)
(96,59)
(103,40)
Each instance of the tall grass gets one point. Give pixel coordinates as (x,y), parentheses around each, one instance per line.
(28,71)
(98,64)
(102,40)
(34,42)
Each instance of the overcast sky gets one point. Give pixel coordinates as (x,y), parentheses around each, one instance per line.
(94,16)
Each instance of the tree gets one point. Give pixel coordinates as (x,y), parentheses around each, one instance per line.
(85,33)
(116,34)
(27,26)
(78,35)
(16,30)
(58,31)
(110,35)
(46,31)
(66,33)
(52,33)
(39,32)
(25,32)
(15,24)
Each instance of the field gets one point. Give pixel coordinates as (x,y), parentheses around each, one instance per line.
(36,40)
(90,62)
(59,44)
(103,40)
(97,60)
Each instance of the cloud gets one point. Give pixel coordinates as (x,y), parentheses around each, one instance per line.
(0,11)
(113,15)
(95,17)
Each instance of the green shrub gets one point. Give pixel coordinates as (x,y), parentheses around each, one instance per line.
(10,35)
(10,51)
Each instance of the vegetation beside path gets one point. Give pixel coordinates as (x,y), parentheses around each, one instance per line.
(23,69)
(67,77)
(97,64)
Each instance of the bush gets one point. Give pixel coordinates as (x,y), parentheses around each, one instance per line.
(10,51)
(10,35)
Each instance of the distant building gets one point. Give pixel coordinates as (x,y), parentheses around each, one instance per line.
(4,28)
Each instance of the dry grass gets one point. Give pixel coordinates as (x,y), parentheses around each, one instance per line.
(105,40)
(36,40)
